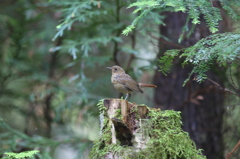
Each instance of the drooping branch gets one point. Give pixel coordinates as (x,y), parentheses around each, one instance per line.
(234,149)
(224,89)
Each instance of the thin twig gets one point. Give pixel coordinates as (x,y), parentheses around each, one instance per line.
(225,89)
(133,39)
(166,42)
(233,83)
(116,49)
(234,149)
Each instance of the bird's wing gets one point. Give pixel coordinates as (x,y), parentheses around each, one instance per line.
(128,82)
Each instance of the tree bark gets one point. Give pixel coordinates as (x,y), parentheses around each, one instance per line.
(201,104)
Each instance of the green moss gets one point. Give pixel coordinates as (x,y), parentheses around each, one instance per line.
(167,139)
(134,110)
(101,107)
(118,114)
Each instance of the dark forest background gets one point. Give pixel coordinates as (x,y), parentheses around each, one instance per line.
(53,59)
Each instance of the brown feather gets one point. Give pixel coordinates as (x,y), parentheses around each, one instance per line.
(128,82)
(147,85)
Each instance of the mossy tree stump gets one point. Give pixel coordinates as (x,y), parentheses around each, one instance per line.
(133,131)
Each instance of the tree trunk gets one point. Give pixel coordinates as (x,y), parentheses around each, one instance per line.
(201,104)
(136,131)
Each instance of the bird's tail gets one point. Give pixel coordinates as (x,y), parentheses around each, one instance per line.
(147,85)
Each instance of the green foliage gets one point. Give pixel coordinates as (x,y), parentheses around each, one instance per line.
(85,16)
(12,139)
(167,139)
(22,155)
(167,61)
(38,94)
(224,49)
(87,29)
(194,8)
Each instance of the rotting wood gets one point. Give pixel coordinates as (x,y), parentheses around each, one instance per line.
(128,128)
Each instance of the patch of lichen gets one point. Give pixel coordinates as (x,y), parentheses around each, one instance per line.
(167,139)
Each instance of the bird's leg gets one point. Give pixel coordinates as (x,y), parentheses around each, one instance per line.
(128,96)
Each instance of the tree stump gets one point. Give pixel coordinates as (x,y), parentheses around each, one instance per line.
(133,131)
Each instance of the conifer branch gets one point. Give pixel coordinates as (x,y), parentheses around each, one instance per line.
(222,49)
(194,9)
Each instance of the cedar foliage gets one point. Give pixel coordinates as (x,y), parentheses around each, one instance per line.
(22,155)
(194,9)
(223,49)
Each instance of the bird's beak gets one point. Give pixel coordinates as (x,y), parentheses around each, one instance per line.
(109,68)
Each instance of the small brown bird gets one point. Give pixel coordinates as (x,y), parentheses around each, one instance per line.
(124,83)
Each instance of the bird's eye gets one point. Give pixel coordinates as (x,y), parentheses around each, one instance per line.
(115,69)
